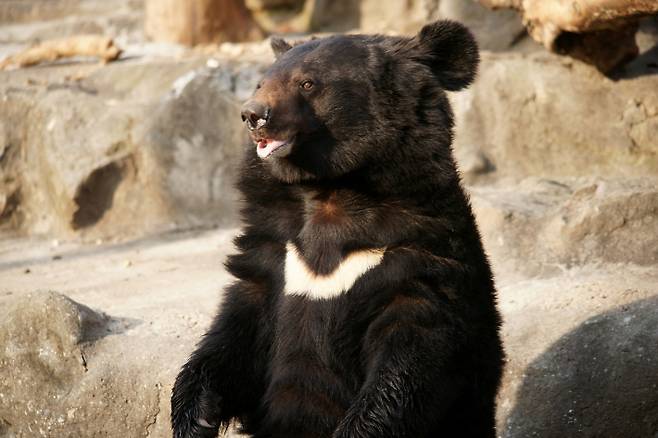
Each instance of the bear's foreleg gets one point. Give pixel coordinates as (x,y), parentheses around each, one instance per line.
(223,379)
(411,378)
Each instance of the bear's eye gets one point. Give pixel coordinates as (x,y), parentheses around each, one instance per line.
(306,85)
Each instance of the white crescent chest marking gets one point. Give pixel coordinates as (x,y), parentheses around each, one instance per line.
(300,280)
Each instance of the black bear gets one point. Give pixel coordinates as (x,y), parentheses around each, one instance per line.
(364,304)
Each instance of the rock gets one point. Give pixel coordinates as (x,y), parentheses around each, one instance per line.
(53,384)
(541,227)
(77,153)
(29,11)
(33,21)
(600,32)
(34,10)
(510,219)
(532,115)
(582,353)
(11,214)
(197,139)
(117,152)
(66,370)
(615,221)
(337,15)
(621,403)
(43,337)
(496,30)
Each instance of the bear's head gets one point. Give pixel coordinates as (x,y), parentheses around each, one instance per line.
(331,106)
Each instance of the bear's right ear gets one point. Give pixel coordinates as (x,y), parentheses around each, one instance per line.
(449,49)
(279,46)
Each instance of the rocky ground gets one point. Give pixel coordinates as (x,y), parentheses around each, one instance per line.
(116,212)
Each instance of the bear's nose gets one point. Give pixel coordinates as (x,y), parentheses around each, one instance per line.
(255,114)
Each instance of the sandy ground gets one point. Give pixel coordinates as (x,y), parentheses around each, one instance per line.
(158,279)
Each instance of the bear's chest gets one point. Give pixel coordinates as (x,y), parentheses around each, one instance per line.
(333,249)
(301,279)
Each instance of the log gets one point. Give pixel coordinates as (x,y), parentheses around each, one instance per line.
(600,32)
(51,50)
(194,22)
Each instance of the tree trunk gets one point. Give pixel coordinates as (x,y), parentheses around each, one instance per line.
(193,22)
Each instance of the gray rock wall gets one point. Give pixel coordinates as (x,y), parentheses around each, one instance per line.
(129,149)
(543,115)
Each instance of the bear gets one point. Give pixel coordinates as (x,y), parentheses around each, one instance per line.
(363,304)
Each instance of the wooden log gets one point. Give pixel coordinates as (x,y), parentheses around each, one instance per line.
(600,32)
(194,22)
(578,15)
(51,50)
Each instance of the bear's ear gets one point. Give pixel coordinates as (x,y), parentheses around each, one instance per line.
(450,50)
(279,46)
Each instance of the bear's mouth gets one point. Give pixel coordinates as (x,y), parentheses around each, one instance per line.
(267,147)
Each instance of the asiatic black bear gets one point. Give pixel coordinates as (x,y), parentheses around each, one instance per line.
(364,304)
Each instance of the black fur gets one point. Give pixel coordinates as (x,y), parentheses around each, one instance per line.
(412,349)
(279,46)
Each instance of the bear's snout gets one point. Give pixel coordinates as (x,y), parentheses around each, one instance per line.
(255,114)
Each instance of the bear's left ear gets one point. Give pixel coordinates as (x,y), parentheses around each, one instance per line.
(279,46)
(450,50)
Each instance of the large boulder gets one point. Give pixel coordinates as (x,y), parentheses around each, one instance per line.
(132,147)
(582,352)
(542,226)
(541,115)
(52,385)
